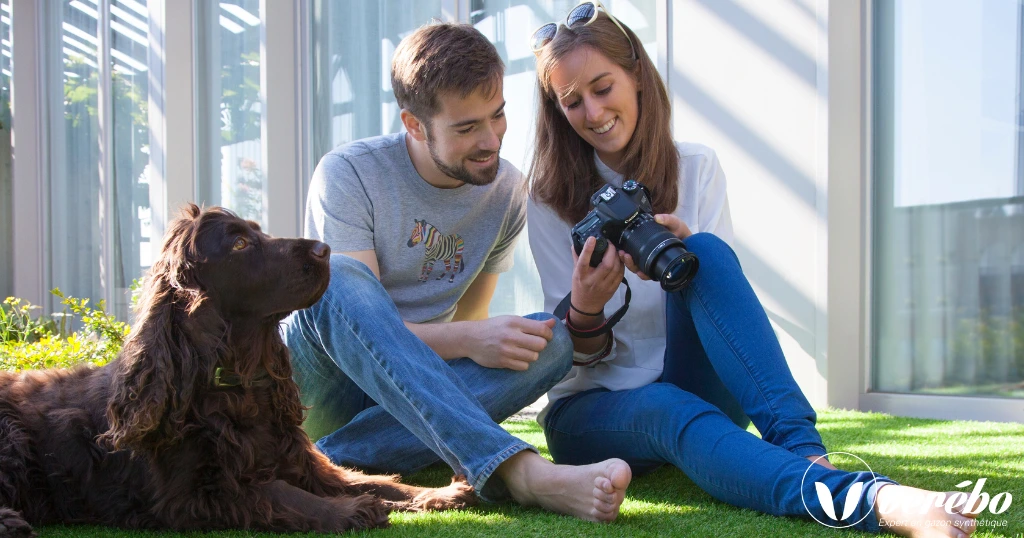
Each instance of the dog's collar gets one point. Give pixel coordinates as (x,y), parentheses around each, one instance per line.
(222,377)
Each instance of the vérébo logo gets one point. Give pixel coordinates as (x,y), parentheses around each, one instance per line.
(827,501)
(976,500)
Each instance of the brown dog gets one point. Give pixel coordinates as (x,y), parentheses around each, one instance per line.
(197,424)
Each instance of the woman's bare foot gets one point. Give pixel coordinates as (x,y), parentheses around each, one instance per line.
(899,510)
(821,460)
(591,492)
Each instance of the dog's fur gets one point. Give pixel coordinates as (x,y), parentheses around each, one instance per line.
(149,441)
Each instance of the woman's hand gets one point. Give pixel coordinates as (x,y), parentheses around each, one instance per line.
(592,287)
(674,225)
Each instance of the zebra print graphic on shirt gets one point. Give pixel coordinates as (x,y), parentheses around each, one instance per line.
(447,248)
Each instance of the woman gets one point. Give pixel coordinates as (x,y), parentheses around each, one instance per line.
(677,377)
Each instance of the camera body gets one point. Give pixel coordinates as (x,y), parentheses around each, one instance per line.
(624,217)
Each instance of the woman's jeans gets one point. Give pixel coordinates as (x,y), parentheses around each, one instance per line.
(352,351)
(723,364)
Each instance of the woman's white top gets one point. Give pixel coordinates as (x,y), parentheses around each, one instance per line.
(638,355)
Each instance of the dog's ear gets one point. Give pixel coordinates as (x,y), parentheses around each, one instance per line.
(155,376)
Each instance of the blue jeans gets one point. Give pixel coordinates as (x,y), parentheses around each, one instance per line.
(351,351)
(723,364)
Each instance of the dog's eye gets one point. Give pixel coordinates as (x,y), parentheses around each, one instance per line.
(240,243)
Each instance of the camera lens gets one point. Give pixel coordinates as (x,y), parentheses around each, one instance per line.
(679,270)
(659,254)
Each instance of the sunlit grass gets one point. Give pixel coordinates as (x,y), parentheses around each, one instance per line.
(925,453)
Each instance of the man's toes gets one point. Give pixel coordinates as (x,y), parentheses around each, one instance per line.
(620,475)
(604,485)
(604,495)
(605,506)
(605,516)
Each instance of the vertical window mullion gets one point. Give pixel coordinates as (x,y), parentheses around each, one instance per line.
(30,54)
(172,111)
(279,86)
(304,96)
(106,150)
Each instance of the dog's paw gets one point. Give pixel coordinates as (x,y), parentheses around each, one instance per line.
(12,525)
(459,494)
(362,512)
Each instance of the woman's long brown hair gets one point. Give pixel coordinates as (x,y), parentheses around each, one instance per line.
(563,174)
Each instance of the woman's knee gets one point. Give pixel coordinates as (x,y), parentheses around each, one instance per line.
(710,248)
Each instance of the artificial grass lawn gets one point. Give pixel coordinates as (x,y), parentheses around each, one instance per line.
(929,454)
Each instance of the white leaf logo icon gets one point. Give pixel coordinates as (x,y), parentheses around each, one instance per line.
(825,500)
(827,503)
(852,513)
(852,499)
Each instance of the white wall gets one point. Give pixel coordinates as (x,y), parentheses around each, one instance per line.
(749,78)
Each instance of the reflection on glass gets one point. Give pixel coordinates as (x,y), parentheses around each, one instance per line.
(948,277)
(84,231)
(129,42)
(229,151)
(508,24)
(76,235)
(352,46)
(6,177)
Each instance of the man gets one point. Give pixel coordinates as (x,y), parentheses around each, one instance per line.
(427,220)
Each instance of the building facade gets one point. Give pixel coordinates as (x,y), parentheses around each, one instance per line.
(874,153)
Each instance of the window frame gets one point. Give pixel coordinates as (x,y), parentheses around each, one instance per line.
(851,222)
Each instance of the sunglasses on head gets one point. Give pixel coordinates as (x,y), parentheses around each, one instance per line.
(586,13)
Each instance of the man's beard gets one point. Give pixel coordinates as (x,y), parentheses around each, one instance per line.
(460,172)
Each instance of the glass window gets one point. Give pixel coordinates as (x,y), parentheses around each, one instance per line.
(229,151)
(6,172)
(99,231)
(948,151)
(508,23)
(129,52)
(352,47)
(76,236)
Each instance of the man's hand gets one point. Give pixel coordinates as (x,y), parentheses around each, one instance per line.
(511,342)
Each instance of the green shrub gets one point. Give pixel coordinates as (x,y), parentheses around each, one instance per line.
(17,323)
(28,343)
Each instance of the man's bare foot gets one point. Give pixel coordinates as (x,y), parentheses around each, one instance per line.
(591,492)
(899,510)
(821,460)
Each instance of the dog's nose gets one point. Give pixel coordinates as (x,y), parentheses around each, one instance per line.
(321,250)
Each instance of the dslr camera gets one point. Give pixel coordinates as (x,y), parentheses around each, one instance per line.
(624,217)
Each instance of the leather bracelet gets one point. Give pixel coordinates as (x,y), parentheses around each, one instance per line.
(578,311)
(562,312)
(586,333)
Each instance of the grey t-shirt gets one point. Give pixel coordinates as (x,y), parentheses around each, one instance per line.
(430,243)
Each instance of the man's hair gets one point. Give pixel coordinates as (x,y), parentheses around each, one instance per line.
(442,58)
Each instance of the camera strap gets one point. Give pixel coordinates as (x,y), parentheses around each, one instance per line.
(562,312)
